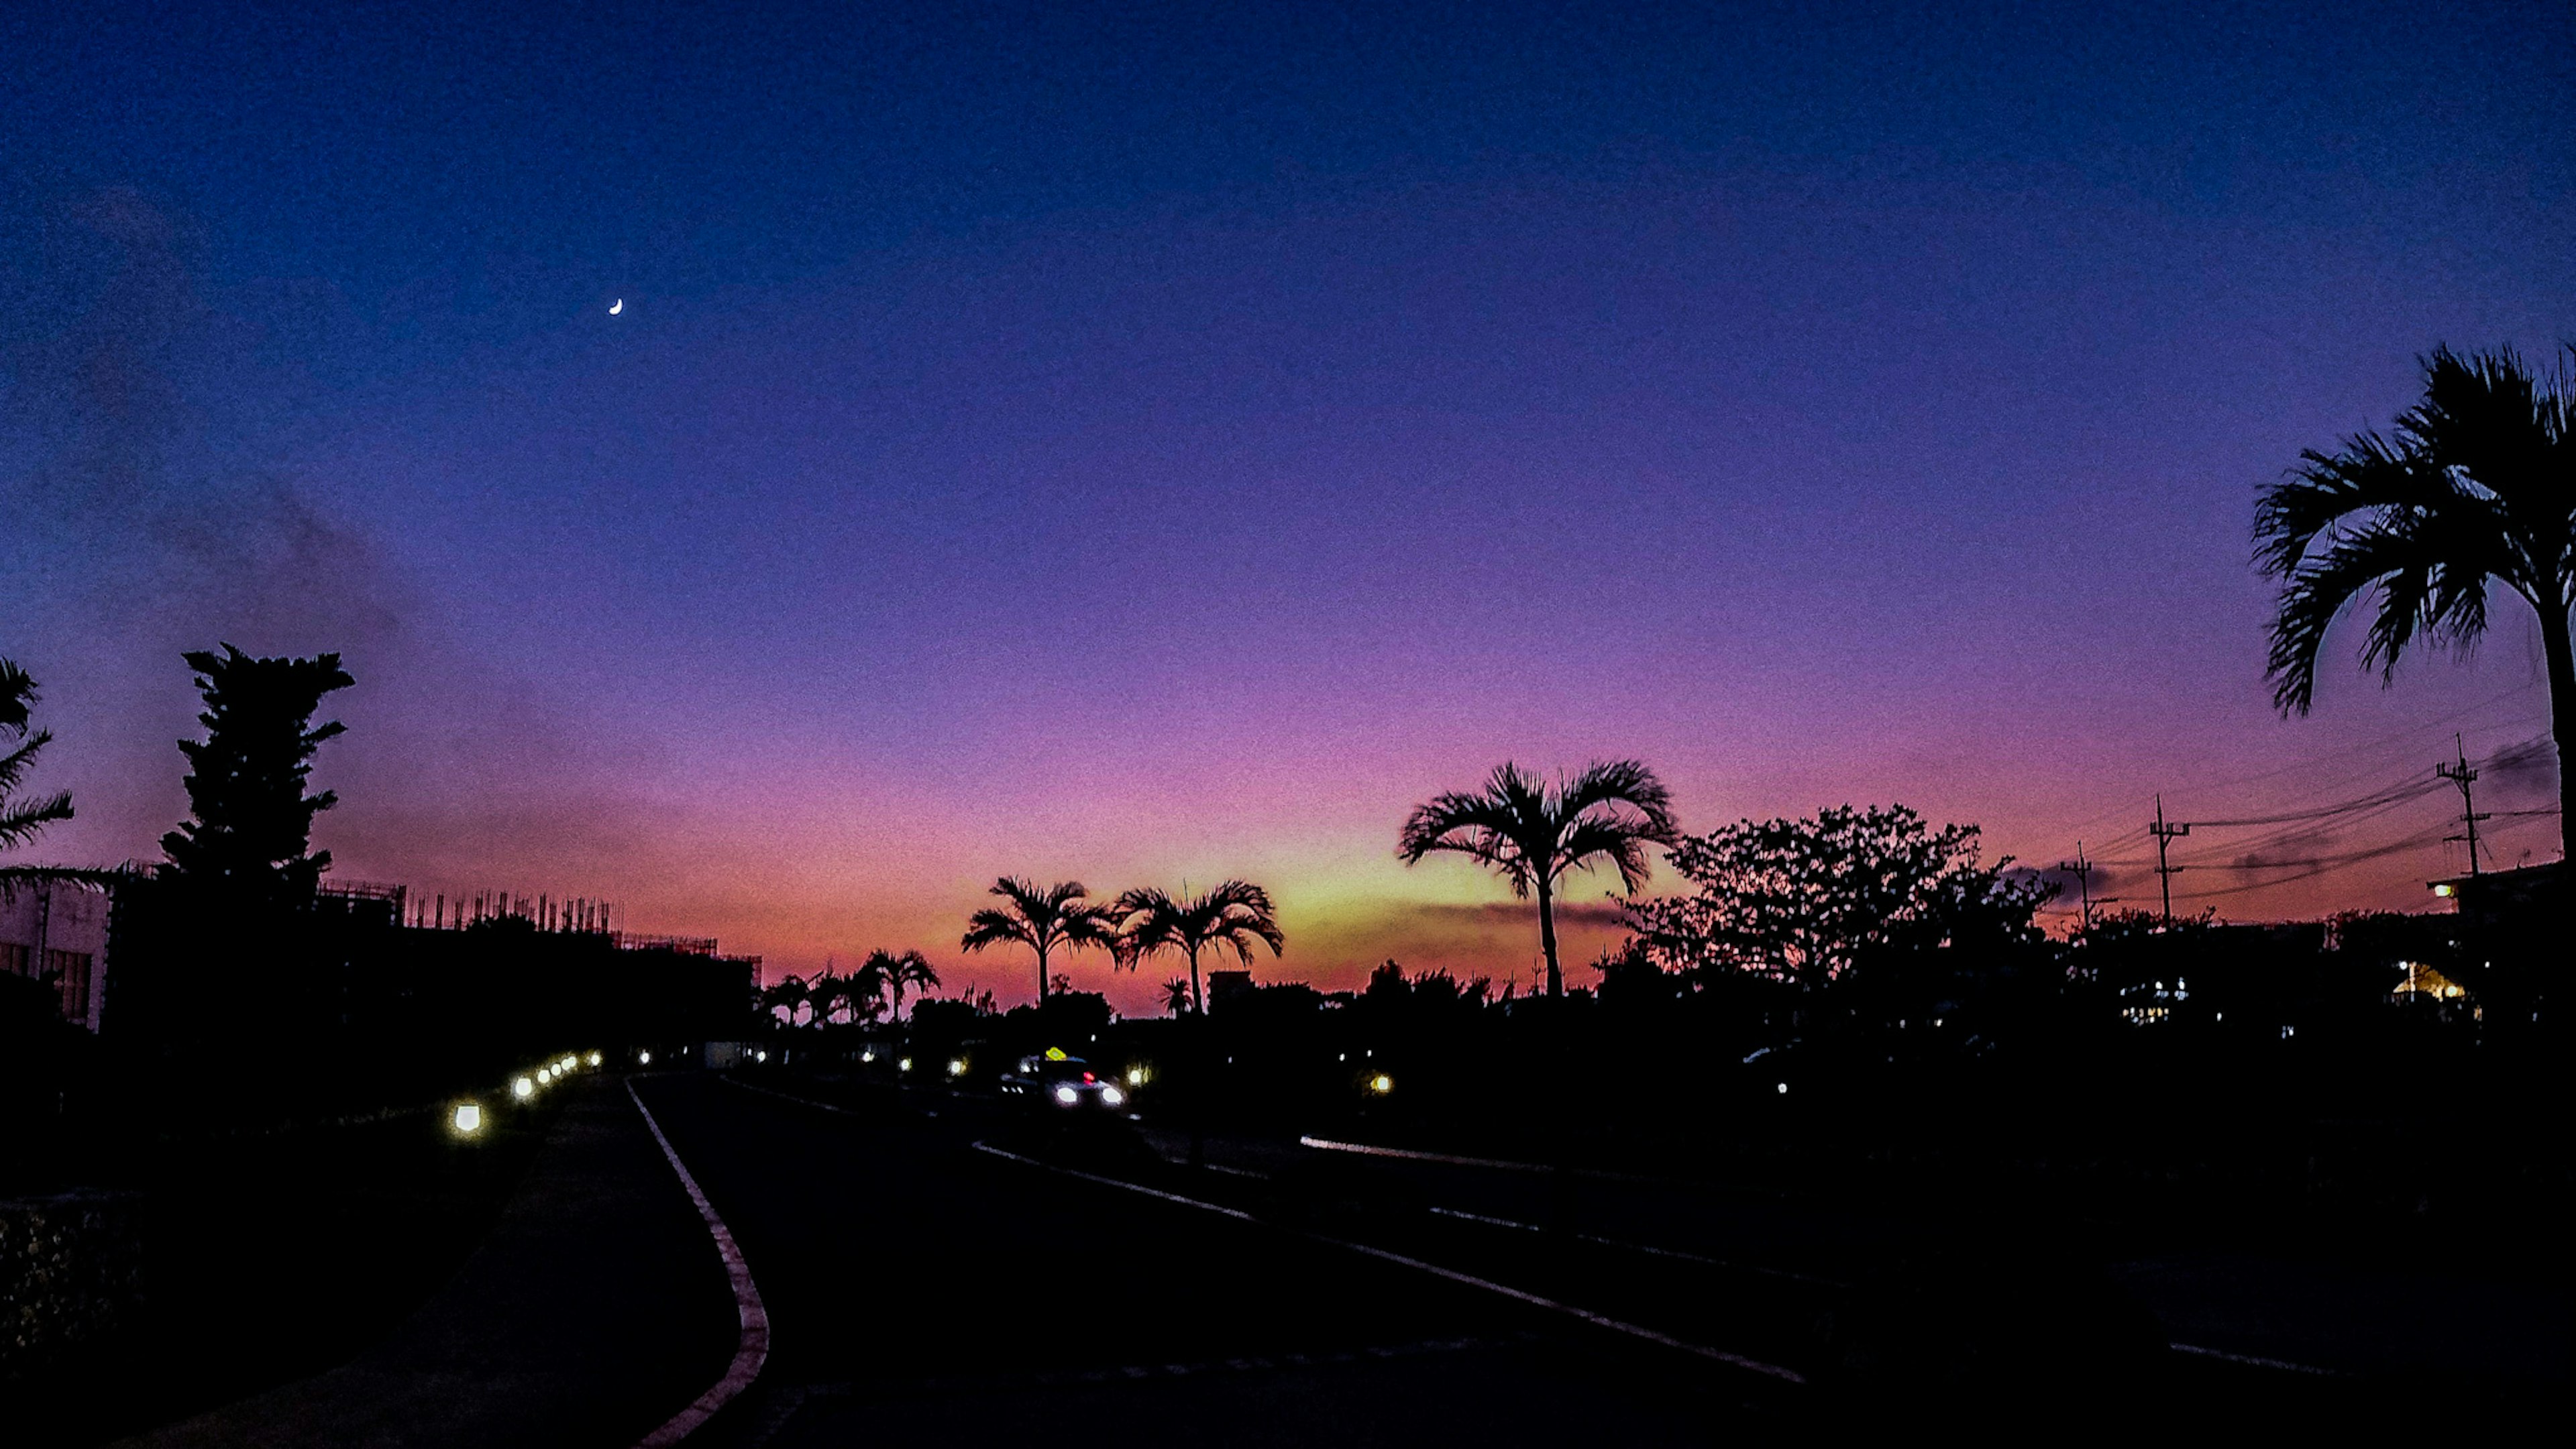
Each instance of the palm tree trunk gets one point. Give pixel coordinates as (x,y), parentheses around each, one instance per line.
(1547,938)
(1204,1086)
(1041,974)
(2561,654)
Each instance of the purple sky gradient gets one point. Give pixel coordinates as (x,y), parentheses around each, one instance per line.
(1175,514)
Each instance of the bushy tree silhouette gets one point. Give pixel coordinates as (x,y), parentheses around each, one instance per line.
(1532,833)
(1062,915)
(254,823)
(1805,901)
(2478,488)
(1232,916)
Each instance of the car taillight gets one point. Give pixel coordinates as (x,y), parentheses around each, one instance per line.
(1088,1079)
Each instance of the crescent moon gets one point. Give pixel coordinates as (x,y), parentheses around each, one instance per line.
(616,307)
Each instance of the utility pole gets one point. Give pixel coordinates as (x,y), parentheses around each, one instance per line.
(2082,870)
(2165,835)
(2462,776)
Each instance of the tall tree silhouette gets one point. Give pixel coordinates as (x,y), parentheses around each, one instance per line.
(22,819)
(1060,916)
(895,974)
(2477,488)
(1532,833)
(1232,916)
(246,782)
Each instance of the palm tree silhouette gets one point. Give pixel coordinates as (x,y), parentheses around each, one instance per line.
(1042,920)
(2477,488)
(1533,833)
(787,994)
(20,820)
(1231,916)
(896,974)
(1176,996)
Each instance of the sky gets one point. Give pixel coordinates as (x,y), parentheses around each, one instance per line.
(1151,446)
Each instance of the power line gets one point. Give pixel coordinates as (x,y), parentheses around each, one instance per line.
(2342,753)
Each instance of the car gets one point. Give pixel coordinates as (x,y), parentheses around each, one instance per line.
(1063,1083)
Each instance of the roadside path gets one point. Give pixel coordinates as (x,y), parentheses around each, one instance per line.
(596,1311)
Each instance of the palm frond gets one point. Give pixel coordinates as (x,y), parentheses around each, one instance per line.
(989,927)
(14,764)
(17,697)
(22,820)
(2478,487)
(1617,841)
(1611,783)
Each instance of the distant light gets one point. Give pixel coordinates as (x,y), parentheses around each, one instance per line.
(904,1066)
(867,1056)
(760,1056)
(523,1088)
(1055,1054)
(2445,890)
(646,1058)
(594,1059)
(1784,1089)
(1066,1095)
(1135,1076)
(469,1118)
(957,1067)
(1381,1084)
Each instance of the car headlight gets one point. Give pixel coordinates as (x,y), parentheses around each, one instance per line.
(1067,1095)
(1111,1096)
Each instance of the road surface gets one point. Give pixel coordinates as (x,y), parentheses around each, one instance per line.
(923,1292)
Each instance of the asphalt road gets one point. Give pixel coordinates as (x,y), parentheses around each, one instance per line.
(922,1291)
(943,1270)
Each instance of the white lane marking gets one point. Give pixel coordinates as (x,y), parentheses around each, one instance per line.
(2252,1361)
(1598,1320)
(786,1097)
(1649,1248)
(1238,1172)
(752,1350)
(1321,1144)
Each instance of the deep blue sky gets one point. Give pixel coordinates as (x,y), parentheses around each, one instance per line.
(1158,443)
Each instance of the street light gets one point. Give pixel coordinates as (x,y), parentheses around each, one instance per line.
(467,1120)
